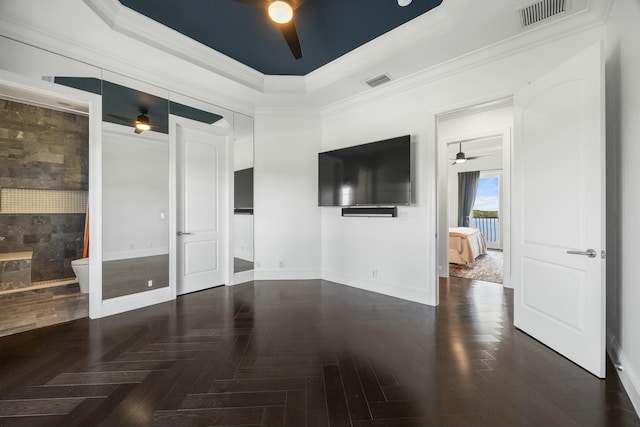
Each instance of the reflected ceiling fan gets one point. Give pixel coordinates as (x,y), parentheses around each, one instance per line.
(461,158)
(281,13)
(140,123)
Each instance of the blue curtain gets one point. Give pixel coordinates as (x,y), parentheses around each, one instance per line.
(467,190)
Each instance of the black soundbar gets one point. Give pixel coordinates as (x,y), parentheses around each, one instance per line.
(382,212)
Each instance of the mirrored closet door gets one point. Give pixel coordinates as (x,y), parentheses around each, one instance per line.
(243,259)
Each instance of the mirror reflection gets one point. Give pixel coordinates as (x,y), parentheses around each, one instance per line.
(243,193)
(135,209)
(135,186)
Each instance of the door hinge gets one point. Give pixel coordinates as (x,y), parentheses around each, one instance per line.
(603,254)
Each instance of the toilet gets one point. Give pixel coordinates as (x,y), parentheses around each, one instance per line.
(81,269)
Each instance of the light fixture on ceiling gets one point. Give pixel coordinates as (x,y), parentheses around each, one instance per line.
(142,121)
(404,3)
(280,11)
(461,157)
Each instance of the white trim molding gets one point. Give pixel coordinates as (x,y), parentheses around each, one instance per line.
(628,373)
(379,287)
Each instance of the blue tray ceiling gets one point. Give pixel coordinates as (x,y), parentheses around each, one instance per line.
(327,28)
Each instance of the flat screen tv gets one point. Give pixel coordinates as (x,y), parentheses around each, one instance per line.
(373,174)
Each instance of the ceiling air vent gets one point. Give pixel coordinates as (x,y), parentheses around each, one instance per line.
(379,80)
(541,10)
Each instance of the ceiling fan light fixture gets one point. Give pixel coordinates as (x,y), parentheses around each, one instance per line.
(280,11)
(404,3)
(460,157)
(142,122)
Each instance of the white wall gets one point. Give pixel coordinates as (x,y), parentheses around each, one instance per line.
(403,250)
(135,190)
(623,197)
(287,217)
(385,255)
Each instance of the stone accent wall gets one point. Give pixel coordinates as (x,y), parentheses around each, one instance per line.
(15,270)
(55,240)
(43,149)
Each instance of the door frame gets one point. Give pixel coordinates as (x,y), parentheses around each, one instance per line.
(45,92)
(442,212)
(174,123)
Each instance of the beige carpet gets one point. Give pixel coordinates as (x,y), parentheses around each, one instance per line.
(487,268)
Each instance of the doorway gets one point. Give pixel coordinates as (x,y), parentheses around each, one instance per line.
(474,192)
(202,217)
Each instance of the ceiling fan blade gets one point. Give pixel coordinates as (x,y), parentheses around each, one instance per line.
(137,131)
(291,36)
(475,157)
(127,120)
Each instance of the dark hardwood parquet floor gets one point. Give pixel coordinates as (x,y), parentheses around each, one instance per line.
(302,353)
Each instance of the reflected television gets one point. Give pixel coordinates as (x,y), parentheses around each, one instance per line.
(374,174)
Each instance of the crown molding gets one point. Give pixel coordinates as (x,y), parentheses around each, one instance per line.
(334,87)
(559,29)
(285,85)
(82,51)
(411,34)
(407,36)
(126,21)
(287,112)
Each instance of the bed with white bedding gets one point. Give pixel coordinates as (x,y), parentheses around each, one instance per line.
(465,245)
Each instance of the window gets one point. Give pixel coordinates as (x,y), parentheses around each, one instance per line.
(486,209)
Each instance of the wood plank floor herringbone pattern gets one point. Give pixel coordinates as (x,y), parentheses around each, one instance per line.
(302,353)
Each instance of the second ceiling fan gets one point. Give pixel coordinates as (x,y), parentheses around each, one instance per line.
(281,13)
(461,157)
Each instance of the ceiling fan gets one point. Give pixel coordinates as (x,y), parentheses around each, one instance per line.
(281,13)
(140,123)
(461,158)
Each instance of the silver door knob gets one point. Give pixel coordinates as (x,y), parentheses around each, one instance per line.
(182,233)
(589,252)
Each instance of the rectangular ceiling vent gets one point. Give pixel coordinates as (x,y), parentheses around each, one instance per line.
(541,10)
(379,80)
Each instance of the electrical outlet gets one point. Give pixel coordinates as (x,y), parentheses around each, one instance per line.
(281,264)
(149,283)
(374,274)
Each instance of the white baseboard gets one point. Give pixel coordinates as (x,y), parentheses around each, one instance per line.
(379,287)
(244,255)
(242,277)
(285,274)
(628,374)
(136,253)
(121,304)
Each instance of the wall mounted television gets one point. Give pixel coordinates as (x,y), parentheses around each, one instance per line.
(374,174)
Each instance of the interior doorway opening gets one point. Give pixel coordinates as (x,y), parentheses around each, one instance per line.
(474,193)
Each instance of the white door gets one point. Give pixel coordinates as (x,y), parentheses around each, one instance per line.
(558,208)
(201,210)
